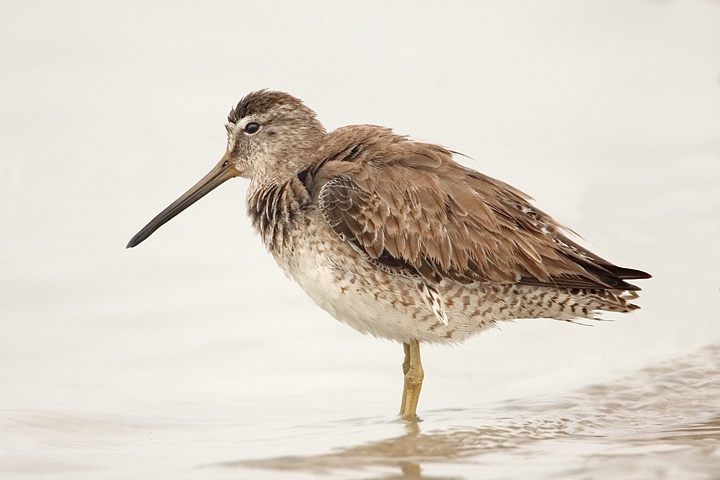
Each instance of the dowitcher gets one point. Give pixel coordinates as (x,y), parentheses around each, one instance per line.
(394,238)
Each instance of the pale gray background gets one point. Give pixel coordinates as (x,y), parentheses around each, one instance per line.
(607,112)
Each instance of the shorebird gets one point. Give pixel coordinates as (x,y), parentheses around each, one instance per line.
(394,238)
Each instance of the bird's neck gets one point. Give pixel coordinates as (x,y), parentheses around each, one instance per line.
(274,209)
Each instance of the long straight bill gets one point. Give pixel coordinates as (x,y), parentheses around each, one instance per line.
(222,172)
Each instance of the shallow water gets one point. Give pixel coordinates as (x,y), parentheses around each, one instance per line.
(660,422)
(192,357)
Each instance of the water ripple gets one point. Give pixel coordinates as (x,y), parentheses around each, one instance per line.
(661,421)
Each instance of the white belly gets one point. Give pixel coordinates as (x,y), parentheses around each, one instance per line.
(369,299)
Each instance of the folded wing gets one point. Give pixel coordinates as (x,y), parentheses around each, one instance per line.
(415,211)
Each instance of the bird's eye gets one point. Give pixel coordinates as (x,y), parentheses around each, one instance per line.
(251,128)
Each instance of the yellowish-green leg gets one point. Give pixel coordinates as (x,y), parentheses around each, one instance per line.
(413,371)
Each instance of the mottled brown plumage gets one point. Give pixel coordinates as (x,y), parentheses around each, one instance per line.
(395,238)
(411,208)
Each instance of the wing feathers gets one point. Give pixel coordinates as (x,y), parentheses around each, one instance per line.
(409,206)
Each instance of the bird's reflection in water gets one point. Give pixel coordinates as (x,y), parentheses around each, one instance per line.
(415,449)
(663,413)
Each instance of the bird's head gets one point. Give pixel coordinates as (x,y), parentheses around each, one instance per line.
(271,138)
(271,135)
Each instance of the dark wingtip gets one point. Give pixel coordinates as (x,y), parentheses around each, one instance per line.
(632,274)
(629,273)
(615,277)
